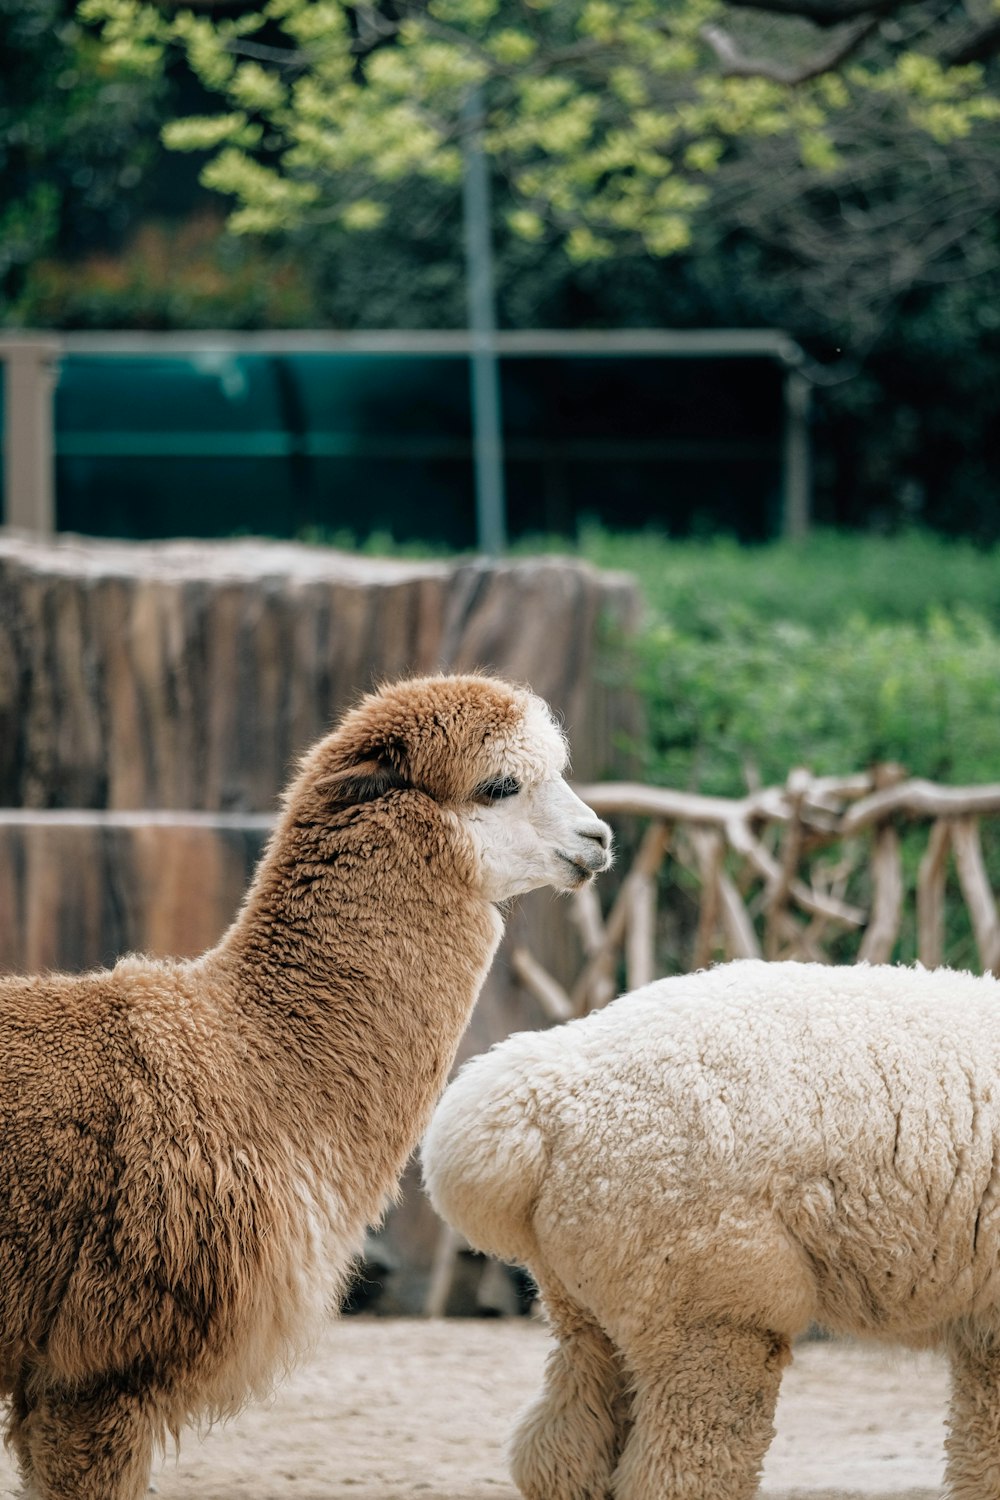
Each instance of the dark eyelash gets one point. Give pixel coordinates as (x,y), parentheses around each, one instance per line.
(495,791)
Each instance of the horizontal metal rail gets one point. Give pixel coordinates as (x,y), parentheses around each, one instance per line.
(679,343)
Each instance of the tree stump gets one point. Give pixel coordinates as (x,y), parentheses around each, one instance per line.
(191,675)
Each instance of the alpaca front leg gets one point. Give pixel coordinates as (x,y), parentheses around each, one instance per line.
(92,1445)
(703,1402)
(16,1429)
(972,1446)
(566,1444)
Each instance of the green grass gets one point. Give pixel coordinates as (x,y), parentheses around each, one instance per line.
(751,698)
(838,654)
(834,654)
(821,582)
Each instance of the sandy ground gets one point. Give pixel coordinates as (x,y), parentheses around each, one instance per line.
(410,1410)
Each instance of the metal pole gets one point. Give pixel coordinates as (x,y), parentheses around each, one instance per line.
(797,476)
(28,447)
(487,429)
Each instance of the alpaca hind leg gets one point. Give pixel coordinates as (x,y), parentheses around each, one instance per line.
(566,1444)
(703,1400)
(91,1445)
(973,1442)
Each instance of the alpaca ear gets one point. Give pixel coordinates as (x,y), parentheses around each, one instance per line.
(365,781)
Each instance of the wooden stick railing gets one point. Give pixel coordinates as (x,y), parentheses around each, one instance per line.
(767,887)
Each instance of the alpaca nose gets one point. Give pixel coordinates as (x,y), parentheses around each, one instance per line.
(600,834)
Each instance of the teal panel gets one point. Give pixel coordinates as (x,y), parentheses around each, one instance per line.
(369,398)
(166,395)
(274,444)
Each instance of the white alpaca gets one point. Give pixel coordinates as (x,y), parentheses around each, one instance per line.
(700,1171)
(190,1152)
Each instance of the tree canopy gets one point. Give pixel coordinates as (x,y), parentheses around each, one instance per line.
(859,135)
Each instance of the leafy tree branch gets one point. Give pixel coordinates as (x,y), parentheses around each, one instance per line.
(615,125)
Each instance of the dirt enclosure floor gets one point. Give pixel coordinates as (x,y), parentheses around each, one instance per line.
(411,1410)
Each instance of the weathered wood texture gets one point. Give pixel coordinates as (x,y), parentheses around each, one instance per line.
(78,889)
(190,675)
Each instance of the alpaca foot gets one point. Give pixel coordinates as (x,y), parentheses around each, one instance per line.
(973,1441)
(558,1455)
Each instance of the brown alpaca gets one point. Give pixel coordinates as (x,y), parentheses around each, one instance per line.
(191,1151)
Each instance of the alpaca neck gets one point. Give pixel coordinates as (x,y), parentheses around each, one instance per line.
(361,961)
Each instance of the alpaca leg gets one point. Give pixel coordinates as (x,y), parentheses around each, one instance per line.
(703,1400)
(973,1442)
(566,1444)
(16,1432)
(91,1445)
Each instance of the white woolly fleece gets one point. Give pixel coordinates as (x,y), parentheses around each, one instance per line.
(699,1171)
(807,1142)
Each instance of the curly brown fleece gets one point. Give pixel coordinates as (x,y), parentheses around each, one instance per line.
(190,1152)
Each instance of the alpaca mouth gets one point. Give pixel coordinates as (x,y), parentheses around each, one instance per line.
(583,872)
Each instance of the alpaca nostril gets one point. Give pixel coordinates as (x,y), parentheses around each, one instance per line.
(599,832)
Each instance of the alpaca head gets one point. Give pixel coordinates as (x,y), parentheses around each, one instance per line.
(491,756)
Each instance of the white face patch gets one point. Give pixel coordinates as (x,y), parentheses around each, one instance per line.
(539,745)
(541,834)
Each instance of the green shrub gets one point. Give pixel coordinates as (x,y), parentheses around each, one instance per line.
(836,655)
(747,698)
(832,576)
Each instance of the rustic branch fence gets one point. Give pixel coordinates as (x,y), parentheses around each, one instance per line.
(767,884)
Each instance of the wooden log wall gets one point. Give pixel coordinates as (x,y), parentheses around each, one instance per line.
(155,697)
(79,888)
(190,675)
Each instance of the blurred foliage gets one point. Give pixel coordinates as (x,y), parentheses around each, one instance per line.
(835,654)
(609,121)
(857,207)
(76,131)
(818,584)
(750,697)
(884,260)
(185,275)
(374,544)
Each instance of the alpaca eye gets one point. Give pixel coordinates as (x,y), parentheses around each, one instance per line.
(494,791)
